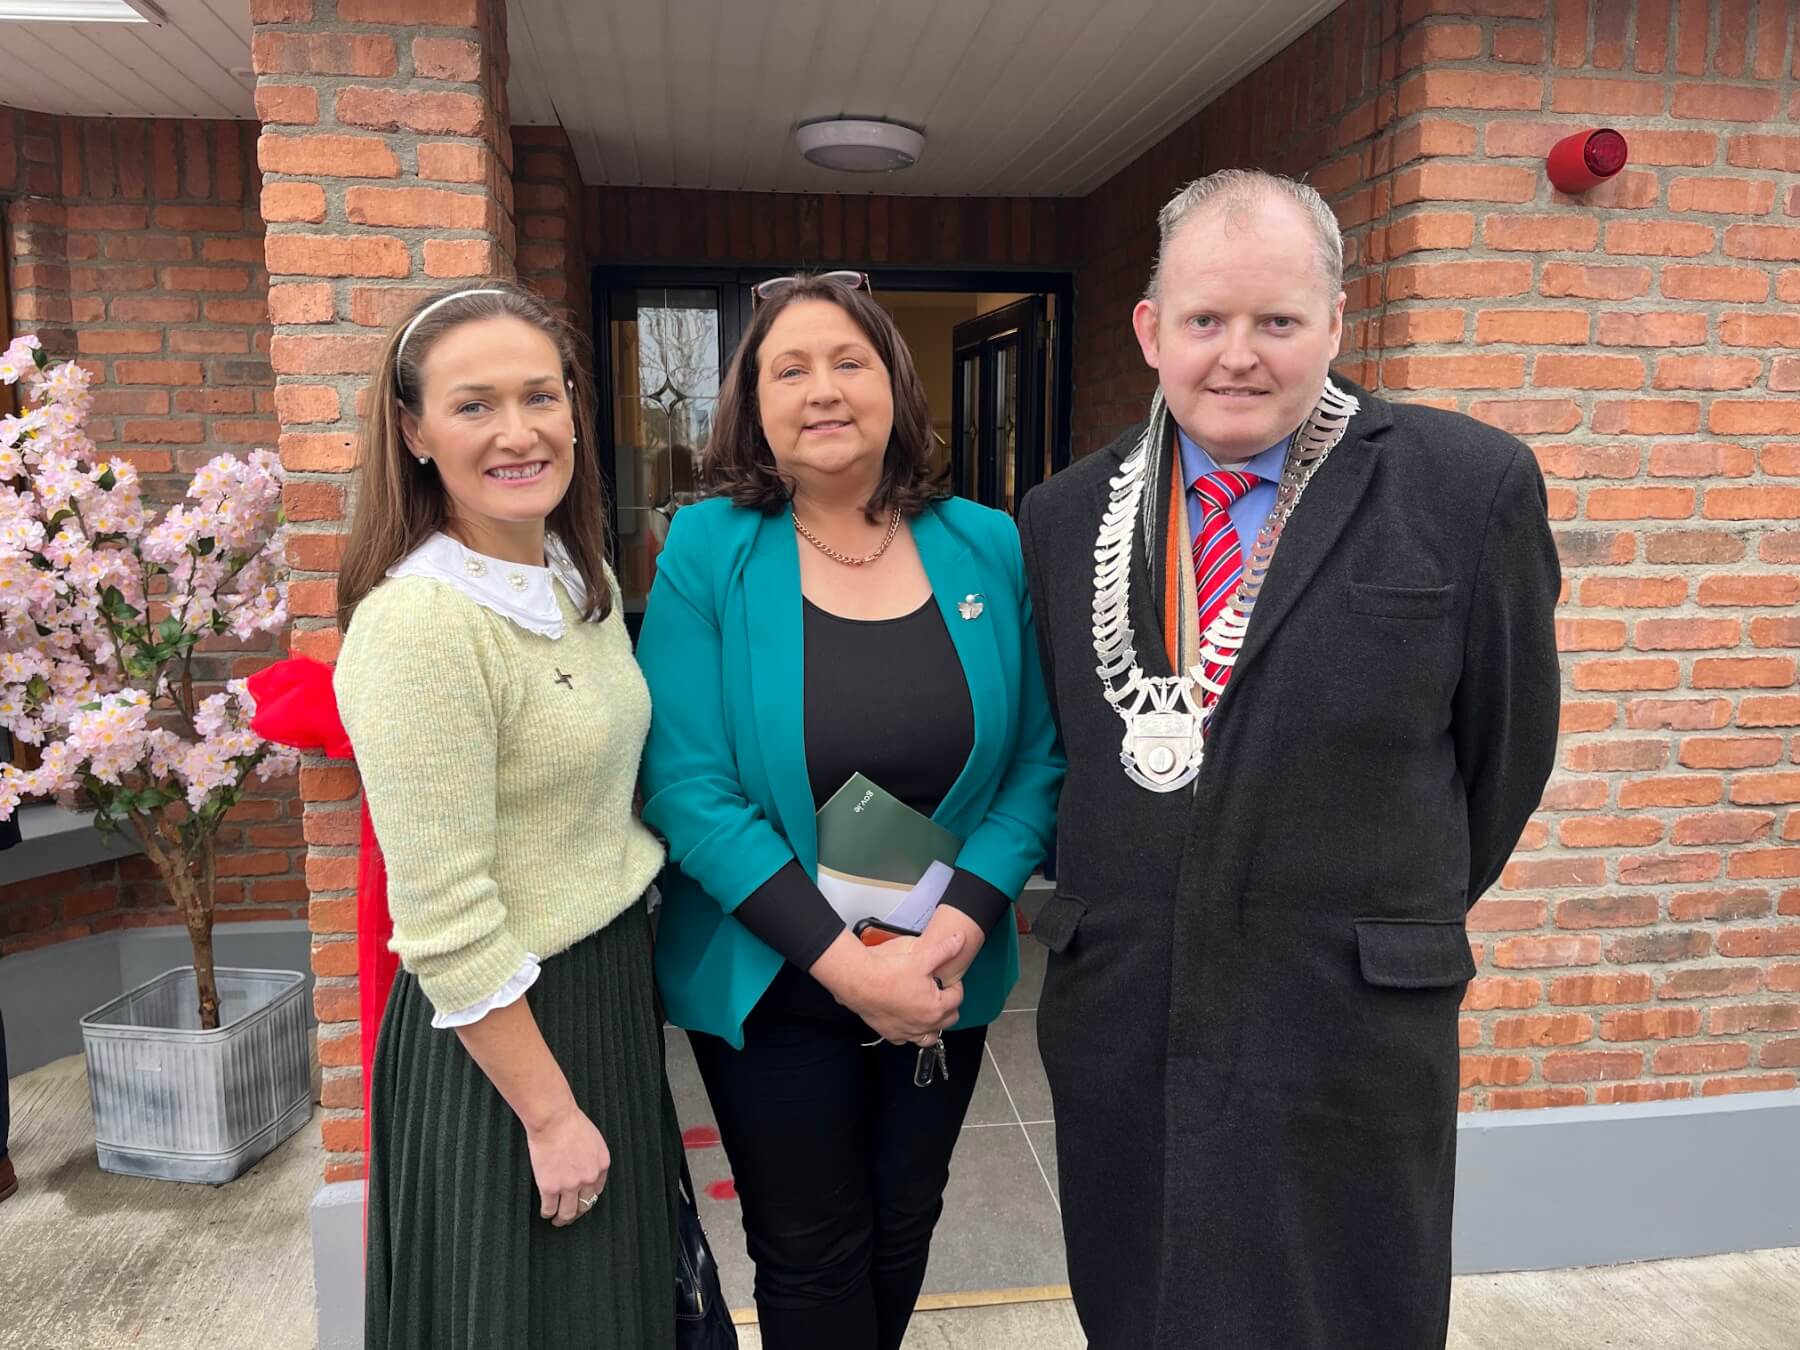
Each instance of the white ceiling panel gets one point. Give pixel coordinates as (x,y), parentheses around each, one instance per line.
(179,69)
(1016,97)
(529,101)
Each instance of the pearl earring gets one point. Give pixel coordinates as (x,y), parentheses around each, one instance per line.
(422,459)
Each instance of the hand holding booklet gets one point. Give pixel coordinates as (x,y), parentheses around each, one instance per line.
(880,859)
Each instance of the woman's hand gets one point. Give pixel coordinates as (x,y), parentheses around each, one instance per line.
(569,1159)
(947,919)
(569,1162)
(892,986)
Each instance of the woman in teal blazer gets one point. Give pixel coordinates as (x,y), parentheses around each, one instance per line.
(829,614)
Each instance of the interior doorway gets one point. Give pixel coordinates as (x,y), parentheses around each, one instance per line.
(985,359)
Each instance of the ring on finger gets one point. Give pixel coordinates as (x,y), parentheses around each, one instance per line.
(588,1201)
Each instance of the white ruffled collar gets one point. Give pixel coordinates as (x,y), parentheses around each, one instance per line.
(514,591)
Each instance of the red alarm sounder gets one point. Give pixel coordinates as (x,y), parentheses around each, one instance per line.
(1580,161)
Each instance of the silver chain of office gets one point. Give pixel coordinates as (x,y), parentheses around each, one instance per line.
(1166,716)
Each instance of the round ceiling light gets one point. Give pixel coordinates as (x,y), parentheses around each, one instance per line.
(855,145)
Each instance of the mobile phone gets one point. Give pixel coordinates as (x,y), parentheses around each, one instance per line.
(874,932)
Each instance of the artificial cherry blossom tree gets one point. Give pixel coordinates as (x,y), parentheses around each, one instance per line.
(102,610)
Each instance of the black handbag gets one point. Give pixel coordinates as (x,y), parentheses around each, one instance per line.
(702,1321)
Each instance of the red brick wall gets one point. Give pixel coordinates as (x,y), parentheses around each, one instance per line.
(136,247)
(42,911)
(145,259)
(1645,942)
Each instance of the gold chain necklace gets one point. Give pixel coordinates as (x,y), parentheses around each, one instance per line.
(844,558)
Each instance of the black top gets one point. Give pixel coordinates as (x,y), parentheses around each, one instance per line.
(886,698)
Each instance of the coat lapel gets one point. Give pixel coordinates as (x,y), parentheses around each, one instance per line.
(954,578)
(778,680)
(1313,530)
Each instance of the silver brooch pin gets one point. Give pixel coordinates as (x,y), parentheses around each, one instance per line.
(970,606)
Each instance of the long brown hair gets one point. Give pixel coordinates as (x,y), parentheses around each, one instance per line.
(739,463)
(401,503)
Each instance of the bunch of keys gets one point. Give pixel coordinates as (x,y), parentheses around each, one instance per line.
(932,1061)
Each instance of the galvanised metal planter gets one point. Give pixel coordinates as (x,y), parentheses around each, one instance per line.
(180,1104)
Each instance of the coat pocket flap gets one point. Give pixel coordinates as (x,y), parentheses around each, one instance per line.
(1057,921)
(1414,953)
(1401,602)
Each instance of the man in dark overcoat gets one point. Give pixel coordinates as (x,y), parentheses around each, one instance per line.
(1300,649)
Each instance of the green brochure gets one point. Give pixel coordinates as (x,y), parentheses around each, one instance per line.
(875,852)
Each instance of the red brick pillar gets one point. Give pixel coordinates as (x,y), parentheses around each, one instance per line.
(553,258)
(386,158)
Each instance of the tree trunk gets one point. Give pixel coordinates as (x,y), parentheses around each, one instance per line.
(194,897)
(197,908)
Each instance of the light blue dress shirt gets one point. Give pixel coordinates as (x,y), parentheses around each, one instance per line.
(1249,511)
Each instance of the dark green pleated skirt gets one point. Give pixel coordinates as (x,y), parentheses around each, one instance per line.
(458,1258)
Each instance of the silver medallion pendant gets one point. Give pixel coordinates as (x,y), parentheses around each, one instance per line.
(1162,750)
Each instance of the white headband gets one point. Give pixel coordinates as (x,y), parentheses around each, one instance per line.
(407,332)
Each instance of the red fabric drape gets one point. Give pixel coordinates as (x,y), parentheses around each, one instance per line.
(295,706)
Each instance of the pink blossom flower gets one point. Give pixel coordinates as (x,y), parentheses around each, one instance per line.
(63,385)
(111,737)
(58,771)
(63,637)
(22,533)
(18,667)
(15,428)
(214,715)
(68,548)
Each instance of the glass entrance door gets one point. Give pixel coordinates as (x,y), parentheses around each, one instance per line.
(666,350)
(997,417)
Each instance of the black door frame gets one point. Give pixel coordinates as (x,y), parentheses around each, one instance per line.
(1020,325)
(734,282)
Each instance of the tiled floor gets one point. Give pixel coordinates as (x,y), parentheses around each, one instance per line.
(1001,1228)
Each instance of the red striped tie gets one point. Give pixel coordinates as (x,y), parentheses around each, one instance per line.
(1218,552)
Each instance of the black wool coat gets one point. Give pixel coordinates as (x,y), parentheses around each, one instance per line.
(1249,1018)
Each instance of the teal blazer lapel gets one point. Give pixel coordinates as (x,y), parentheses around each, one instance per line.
(778,681)
(955,580)
(776,624)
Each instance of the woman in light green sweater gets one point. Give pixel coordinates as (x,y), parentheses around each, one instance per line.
(523,1158)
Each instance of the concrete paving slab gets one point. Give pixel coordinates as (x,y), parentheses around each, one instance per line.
(99,1262)
(1746,1301)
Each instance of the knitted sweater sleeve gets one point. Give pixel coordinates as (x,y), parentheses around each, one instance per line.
(421,684)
